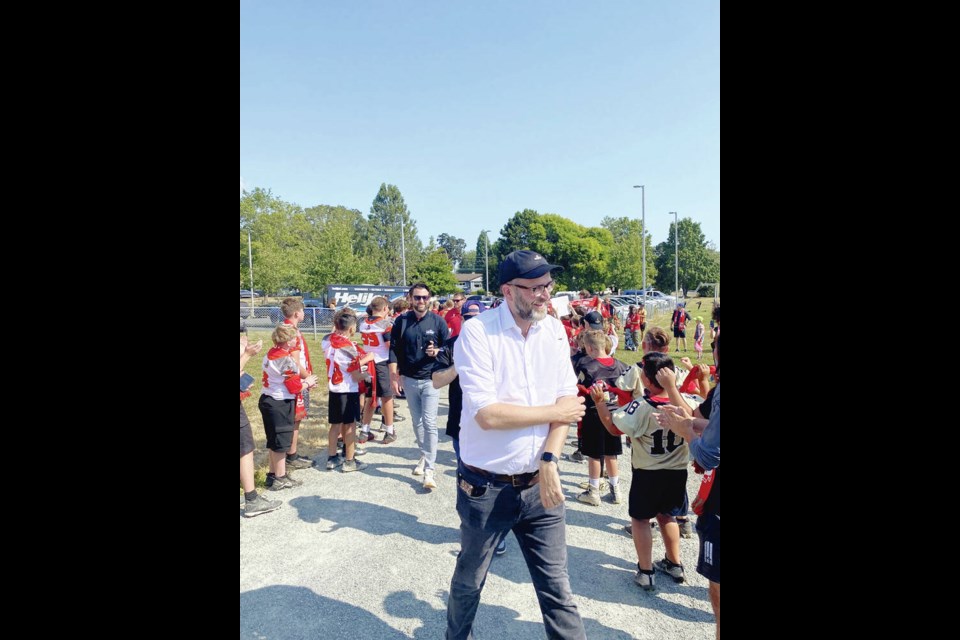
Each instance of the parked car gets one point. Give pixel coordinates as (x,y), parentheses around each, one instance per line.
(652,294)
(313,302)
(245,293)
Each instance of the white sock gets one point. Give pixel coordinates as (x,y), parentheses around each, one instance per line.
(595,483)
(388,429)
(614,480)
(365,428)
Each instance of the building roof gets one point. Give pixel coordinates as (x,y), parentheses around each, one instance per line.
(468,277)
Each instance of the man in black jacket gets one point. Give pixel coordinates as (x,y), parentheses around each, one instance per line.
(417,337)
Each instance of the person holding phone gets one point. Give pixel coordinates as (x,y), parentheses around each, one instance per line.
(415,340)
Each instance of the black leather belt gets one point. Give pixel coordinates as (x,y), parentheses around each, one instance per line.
(517,480)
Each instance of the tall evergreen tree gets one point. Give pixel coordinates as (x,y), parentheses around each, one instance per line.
(387,213)
(485,246)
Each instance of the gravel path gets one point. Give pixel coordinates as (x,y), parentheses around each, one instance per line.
(370,555)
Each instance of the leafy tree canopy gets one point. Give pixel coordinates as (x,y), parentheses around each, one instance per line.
(436,271)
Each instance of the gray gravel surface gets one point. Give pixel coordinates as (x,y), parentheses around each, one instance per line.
(370,555)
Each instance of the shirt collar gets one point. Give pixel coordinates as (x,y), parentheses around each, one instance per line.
(508,322)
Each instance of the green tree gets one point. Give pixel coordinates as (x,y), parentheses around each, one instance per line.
(485,246)
(279,233)
(583,252)
(453,246)
(696,262)
(387,213)
(340,248)
(436,271)
(626,257)
(470,261)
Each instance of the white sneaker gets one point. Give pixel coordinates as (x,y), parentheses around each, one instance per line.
(428,481)
(418,470)
(616,494)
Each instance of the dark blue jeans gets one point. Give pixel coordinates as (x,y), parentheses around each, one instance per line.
(486,519)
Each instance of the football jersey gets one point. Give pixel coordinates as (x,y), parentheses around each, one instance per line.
(590,370)
(375,335)
(281,374)
(343,357)
(652,446)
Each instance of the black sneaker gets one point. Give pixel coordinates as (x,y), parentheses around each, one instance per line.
(300,462)
(333,462)
(285,482)
(270,478)
(353,465)
(673,570)
(645,580)
(288,481)
(501,548)
(259,505)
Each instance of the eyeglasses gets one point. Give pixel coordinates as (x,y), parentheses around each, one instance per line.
(421,297)
(537,290)
(459,299)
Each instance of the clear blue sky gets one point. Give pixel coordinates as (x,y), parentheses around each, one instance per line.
(476,110)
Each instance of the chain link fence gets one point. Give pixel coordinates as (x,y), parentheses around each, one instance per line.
(315,319)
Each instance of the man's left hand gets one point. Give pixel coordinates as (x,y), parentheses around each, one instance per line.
(551,493)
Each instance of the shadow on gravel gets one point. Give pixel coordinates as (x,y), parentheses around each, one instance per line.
(374,519)
(492,621)
(291,613)
(607,578)
(404,604)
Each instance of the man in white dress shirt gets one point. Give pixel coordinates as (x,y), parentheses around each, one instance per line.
(519,397)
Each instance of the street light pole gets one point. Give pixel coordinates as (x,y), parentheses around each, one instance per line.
(643,237)
(486,261)
(403,251)
(250,262)
(676,254)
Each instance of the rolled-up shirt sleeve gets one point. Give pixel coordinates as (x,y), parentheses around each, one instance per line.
(566,378)
(471,353)
(706,449)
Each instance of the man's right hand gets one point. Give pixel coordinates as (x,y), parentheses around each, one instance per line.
(569,409)
(397,385)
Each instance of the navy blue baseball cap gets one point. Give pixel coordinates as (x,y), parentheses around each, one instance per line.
(525,264)
(472,308)
(594,319)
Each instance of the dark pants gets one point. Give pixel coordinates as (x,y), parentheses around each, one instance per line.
(484,521)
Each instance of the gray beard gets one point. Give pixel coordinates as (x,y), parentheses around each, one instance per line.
(532,316)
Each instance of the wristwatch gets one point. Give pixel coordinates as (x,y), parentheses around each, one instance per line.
(549,457)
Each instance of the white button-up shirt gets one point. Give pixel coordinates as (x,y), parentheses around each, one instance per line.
(496,364)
